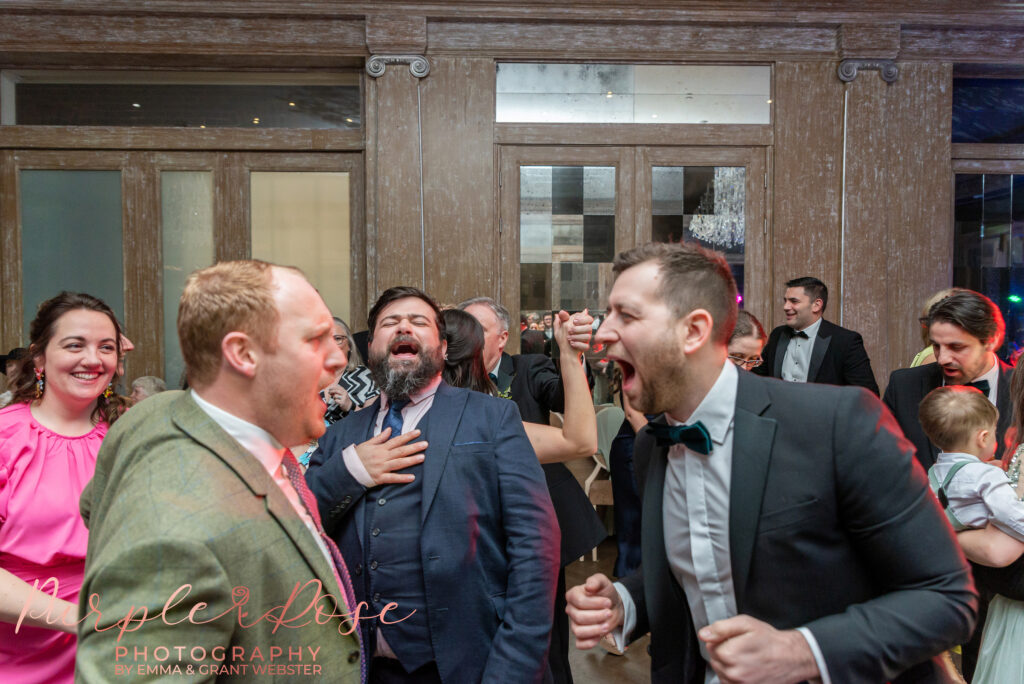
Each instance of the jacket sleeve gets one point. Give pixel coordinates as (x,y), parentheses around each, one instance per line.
(857,366)
(927,601)
(334,487)
(519,649)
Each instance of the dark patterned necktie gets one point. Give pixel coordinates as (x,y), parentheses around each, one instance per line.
(695,437)
(393,419)
(298,480)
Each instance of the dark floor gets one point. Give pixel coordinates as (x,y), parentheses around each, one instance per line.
(596,666)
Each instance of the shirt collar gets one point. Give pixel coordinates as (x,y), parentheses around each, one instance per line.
(254,439)
(416,397)
(718,407)
(812,329)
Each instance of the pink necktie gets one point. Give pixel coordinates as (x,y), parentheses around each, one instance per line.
(298,480)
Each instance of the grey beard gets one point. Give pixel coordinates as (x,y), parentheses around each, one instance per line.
(400,383)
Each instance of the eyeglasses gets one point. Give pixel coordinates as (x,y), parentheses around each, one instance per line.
(341,341)
(745,362)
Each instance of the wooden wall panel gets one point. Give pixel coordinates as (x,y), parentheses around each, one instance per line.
(458,179)
(399,242)
(143,269)
(921,216)
(10,250)
(859,300)
(808,174)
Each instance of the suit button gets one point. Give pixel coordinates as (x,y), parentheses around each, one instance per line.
(358,569)
(376,531)
(353,657)
(381,501)
(347,500)
(373,565)
(376,597)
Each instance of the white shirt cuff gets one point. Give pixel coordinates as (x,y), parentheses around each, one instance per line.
(622,634)
(819,659)
(356,467)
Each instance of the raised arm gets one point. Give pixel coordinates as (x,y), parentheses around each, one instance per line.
(577,438)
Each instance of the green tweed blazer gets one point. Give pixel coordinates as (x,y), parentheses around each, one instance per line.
(179,516)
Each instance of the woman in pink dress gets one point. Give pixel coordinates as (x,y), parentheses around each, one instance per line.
(49,437)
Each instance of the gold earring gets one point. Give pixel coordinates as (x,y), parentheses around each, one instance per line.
(40,383)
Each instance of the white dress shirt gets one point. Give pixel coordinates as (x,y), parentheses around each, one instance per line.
(796,364)
(980,493)
(269,452)
(696,521)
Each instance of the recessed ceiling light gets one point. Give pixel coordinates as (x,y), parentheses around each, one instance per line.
(136,105)
(348,120)
(291,104)
(202,125)
(256,119)
(768,101)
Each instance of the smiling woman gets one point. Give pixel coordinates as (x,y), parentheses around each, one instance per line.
(49,438)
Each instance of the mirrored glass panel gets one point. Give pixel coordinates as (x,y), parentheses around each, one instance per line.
(71,237)
(303,219)
(633,93)
(181,99)
(186,211)
(988,110)
(567,239)
(988,251)
(704,204)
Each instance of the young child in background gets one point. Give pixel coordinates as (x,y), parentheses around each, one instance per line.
(961,421)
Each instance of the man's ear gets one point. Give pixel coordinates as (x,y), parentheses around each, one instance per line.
(695,329)
(502,340)
(992,344)
(817,306)
(240,353)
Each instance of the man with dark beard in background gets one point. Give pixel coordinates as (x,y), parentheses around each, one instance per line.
(461,535)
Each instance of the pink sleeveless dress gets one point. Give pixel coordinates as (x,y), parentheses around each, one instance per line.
(42,536)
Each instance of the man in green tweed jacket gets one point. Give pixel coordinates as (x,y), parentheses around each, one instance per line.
(204,561)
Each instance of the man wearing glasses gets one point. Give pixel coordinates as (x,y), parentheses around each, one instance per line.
(810,349)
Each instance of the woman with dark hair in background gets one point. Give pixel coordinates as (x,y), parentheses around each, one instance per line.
(49,436)
(747,341)
(464,367)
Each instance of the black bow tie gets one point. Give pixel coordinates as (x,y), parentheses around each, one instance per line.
(801,333)
(981,385)
(695,437)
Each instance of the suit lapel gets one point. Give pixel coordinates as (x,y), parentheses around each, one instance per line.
(446,413)
(506,372)
(930,380)
(780,350)
(192,420)
(753,436)
(821,342)
(653,538)
(365,420)
(1003,401)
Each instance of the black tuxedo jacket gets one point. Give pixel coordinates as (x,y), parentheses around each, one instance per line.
(832,527)
(533,383)
(838,357)
(908,386)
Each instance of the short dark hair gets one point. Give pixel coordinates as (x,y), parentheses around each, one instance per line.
(747,325)
(694,278)
(813,288)
(951,415)
(393,294)
(971,311)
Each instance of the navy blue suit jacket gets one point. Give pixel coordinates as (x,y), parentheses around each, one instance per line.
(490,541)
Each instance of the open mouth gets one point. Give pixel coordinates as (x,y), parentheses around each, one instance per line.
(404,348)
(628,373)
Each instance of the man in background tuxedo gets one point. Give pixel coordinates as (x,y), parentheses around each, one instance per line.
(965,329)
(533,383)
(810,349)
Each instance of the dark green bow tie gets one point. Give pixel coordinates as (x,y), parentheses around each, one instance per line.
(695,437)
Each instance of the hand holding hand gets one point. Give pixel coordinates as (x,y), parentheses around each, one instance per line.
(594,609)
(573,332)
(744,649)
(339,396)
(382,456)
